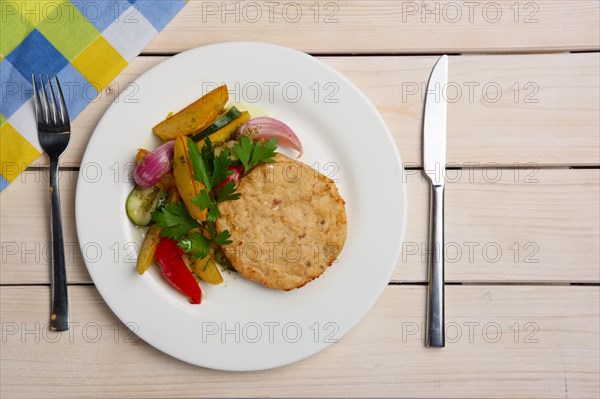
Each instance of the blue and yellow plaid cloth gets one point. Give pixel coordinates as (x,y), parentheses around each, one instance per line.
(85,42)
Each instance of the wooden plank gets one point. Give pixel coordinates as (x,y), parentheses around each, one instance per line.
(501,225)
(512,110)
(507,110)
(538,342)
(367,26)
(25,230)
(509,225)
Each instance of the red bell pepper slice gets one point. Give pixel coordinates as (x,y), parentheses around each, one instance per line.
(170,258)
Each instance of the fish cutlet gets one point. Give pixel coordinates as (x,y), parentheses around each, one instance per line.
(288,226)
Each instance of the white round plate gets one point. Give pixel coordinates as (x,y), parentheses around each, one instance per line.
(241,325)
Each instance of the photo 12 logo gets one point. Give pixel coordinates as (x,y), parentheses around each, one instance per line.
(453,12)
(289,332)
(74,92)
(472,92)
(474,172)
(473,252)
(469,332)
(272,91)
(88,332)
(289,12)
(60,11)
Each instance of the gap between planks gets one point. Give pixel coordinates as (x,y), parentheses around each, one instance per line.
(396,54)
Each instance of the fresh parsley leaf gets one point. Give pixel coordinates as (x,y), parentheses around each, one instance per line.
(227,192)
(264,152)
(174,220)
(211,229)
(208,155)
(208,152)
(220,165)
(223,238)
(252,153)
(211,170)
(243,150)
(199,164)
(205,201)
(213,214)
(195,244)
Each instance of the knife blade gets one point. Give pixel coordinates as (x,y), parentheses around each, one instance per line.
(434,161)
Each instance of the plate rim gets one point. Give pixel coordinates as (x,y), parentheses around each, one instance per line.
(397,158)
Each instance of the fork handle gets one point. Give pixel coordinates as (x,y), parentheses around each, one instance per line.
(435,291)
(59,312)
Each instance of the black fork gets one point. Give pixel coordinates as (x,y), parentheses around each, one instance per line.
(54,132)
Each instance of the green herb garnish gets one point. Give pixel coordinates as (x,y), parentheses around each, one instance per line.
(251,153)
(210,170)
(195,244)
(174,220)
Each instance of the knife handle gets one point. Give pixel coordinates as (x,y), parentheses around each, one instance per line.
(435,292)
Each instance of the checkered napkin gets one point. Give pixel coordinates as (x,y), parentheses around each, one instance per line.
(85,42)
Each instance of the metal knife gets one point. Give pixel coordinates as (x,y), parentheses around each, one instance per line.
(434,161)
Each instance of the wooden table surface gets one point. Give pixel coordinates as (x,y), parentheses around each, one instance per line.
(522,212)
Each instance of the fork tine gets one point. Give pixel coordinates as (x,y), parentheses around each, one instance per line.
(45,105)
(39,111)
(52,102)
(64,115)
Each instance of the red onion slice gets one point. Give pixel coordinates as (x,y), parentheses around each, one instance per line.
(154,165)
(265,128)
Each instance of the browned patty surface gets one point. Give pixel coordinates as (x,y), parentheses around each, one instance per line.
(287,228)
